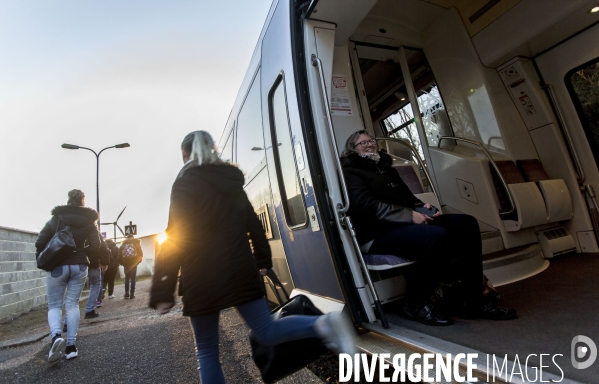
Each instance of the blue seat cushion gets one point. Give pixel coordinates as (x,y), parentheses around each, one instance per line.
(381,262)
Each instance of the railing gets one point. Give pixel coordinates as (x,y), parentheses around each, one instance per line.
(418,158)
(492,162)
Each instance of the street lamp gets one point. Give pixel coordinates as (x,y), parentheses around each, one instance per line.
(72,146)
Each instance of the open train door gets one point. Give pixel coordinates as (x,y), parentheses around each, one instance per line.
(297,213)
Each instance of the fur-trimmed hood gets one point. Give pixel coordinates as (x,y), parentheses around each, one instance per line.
(75,216)
(225,178)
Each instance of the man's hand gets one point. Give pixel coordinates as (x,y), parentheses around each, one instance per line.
(104,268)
(163,308)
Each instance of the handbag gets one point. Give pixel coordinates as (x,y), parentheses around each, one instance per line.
(276,362)
(60,245)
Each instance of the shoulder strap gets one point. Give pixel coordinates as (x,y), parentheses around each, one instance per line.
(57,225)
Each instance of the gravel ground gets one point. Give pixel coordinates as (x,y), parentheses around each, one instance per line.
(129,343)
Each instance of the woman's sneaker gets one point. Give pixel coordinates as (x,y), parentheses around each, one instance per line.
(111,296)
(337,333)
(71,352)
(56,349)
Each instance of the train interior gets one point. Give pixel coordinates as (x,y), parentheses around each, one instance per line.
(509,168)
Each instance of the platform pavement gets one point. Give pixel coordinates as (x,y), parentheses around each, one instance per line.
(130,343)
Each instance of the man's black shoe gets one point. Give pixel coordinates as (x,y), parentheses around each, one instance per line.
(91,315)
(490,312)
(425,313)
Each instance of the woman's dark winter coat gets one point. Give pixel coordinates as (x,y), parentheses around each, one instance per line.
(81,220)
(207,237)
(101,256)
(114,255)
(379,198)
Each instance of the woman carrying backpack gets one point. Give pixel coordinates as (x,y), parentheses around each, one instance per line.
(70,276)
(131,255)
(207,238)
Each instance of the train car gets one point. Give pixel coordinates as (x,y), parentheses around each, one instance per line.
(488,108)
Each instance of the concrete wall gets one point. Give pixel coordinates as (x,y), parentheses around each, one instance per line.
(22,285)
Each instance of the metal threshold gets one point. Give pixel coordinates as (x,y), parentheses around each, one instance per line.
(398,340)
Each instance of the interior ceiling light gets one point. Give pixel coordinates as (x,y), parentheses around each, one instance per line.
(594,10)
(400,96)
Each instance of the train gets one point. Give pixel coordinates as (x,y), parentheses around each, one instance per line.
(488,108)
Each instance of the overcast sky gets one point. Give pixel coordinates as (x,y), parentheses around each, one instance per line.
(100,73)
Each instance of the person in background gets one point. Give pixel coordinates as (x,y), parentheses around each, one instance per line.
(130,255)
(70,276)
(207,239)
(113,268)
(98,260)
(387,222)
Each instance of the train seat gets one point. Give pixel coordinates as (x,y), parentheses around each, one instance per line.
(383,262)
(408,171)
(529,204)
(558,201)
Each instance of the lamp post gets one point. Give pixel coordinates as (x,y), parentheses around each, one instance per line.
(71,146)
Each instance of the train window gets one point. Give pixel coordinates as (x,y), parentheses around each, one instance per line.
(226,154)
(283,152)
(249,140)
(583,85)
(400,123)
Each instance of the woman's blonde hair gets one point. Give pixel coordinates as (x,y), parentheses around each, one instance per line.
(201,148)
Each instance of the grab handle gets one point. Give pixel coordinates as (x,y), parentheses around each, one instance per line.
(341,208)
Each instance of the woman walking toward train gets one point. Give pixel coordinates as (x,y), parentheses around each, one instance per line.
(70,276)
(209,220)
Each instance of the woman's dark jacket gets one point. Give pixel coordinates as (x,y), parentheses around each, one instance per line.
(207,237)
(379,199)
(114,255)
(81,220)
(101,256)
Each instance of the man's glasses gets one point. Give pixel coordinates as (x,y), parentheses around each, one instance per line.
(364,143)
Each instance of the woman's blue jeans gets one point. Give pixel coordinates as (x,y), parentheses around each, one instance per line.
(95,287)
(69,278)
(264,328)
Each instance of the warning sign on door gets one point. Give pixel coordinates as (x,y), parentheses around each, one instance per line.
(340,102)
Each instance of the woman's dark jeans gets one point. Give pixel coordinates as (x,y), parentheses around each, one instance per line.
(448,247)
(109,277)
(130,276)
